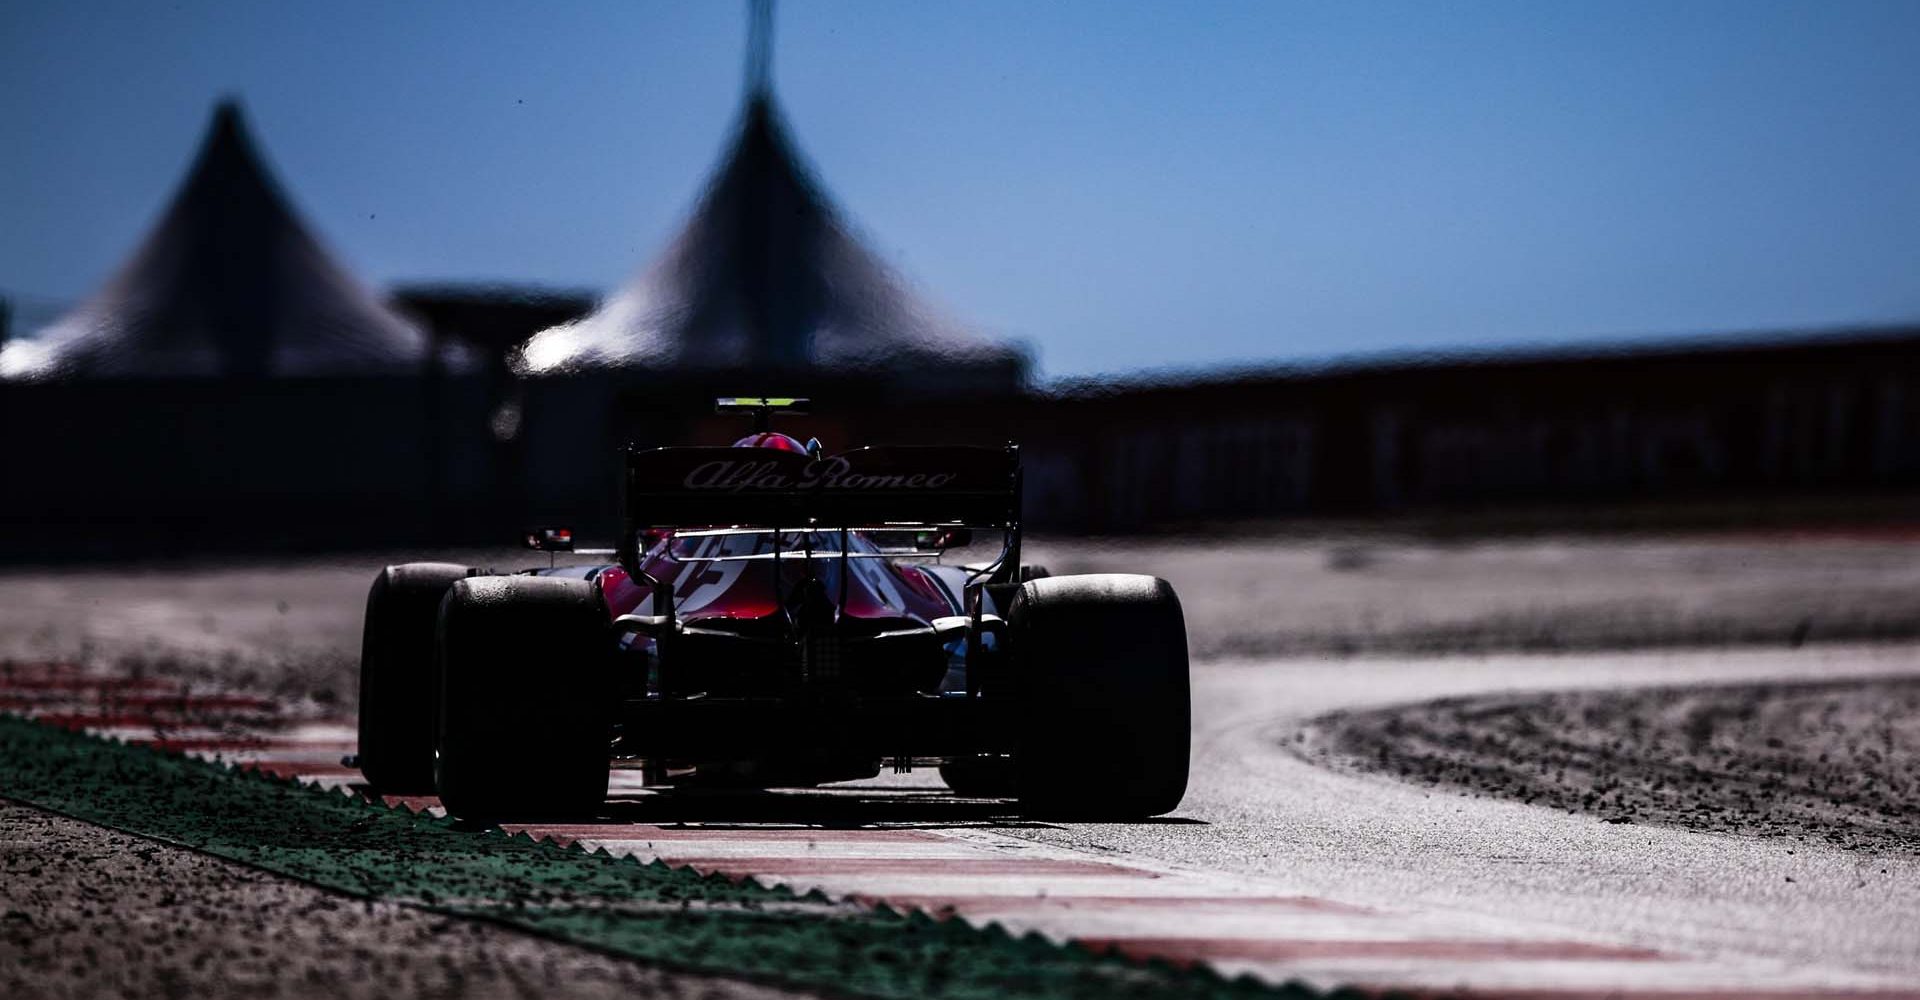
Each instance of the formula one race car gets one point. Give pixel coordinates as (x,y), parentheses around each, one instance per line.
(777,617)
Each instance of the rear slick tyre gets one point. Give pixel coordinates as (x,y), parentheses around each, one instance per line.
(1103,699)
(397,697)
(527,694)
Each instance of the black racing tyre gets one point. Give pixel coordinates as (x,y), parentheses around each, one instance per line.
(1034,571)
(527,694)
(1102,718)
(981,776)
(397,699)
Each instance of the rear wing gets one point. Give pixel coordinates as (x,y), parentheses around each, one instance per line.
(869,487)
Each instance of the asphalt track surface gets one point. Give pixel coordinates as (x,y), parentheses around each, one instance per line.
(1274,864)
(1279,866)
(1746,913)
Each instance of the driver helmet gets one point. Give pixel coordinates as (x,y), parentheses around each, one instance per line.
(771,439)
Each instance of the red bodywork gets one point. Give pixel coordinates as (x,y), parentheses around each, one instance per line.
(704,589)
(783,658)
(745,597)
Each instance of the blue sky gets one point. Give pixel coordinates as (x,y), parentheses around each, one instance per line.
(1121,185)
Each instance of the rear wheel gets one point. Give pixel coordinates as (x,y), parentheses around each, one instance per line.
(1100,676)
(527,692)
(397,699)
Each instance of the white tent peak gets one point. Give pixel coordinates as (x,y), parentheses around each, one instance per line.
(229,282)
(766,274)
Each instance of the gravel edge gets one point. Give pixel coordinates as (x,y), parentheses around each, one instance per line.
(1833,762)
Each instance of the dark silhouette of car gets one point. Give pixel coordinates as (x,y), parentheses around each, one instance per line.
(773,616)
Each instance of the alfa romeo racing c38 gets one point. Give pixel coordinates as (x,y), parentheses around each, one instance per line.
(774,616)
